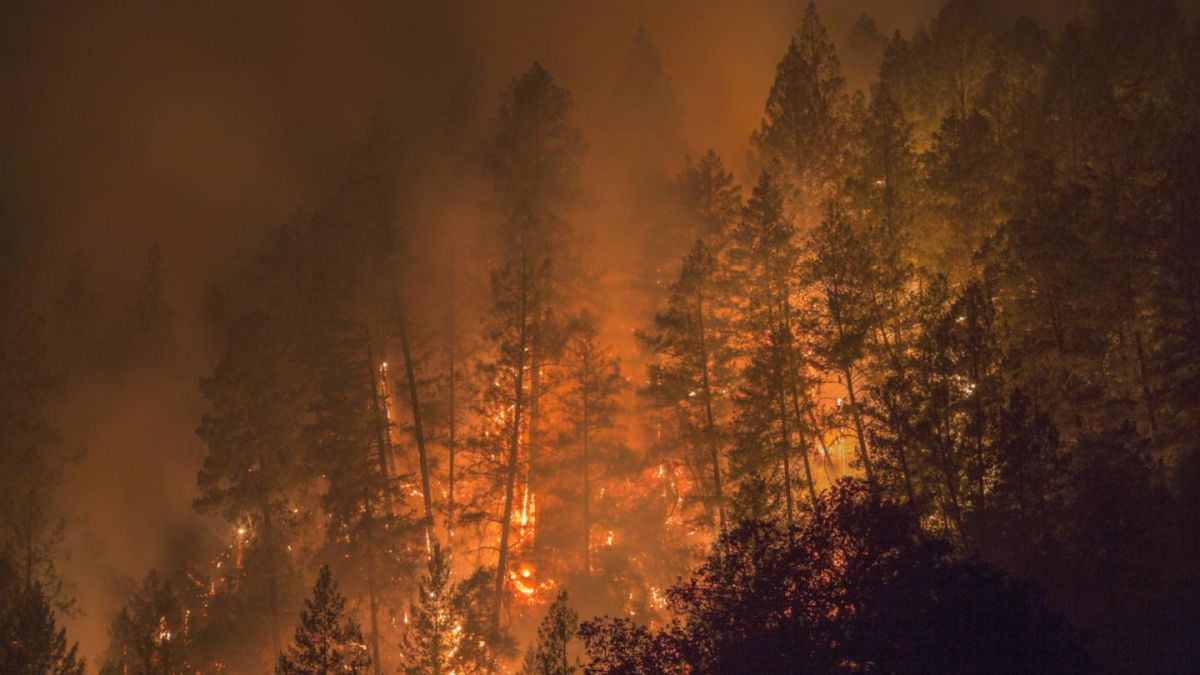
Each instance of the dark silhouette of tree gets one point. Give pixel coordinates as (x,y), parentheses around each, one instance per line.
(838,269)
(858,587)
(591,408)
(647,114)
(327,640)
(152,633)
(804,127)
(481,647)
(693,369)
(764,259)
(533,165)
(435,632)
(252,476)
(551,655)
(151,313)
(31,457)
(31,643)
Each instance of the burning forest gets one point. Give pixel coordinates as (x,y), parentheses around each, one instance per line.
(628,338)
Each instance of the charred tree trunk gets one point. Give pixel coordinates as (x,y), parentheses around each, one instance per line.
(710,427)
(452,439)
(372,587)
(786,451)
(418,430)
(808,474)
(535,395)
(863,451)
(272,573)
(381,428)
(514,445)
(587,477)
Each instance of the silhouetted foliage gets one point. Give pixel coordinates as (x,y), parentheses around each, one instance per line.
(31,643)
(857,587)
(327,640)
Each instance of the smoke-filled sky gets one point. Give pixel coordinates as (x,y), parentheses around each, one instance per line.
(203,125)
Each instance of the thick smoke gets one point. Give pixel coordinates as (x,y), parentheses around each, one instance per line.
(202,128)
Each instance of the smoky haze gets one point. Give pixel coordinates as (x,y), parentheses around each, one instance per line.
(203,127)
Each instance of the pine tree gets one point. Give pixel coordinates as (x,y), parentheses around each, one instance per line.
(646,111)
(434,631)
(803,125)
(327,640)
(533,164)
(692,372)
(590,410)
(252,476)
(963,179)
(347,311)
(709,200)
(152,633)
(552,653)
(838,269)
(865,46)
(31,459)
(32,643)
(151,313)
(705,204)
(764,257)
(481,647)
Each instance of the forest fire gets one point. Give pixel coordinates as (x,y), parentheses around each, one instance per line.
(692,338)
(526,585)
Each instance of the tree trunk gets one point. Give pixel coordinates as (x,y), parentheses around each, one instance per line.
(513,448)
(535,395)
(786,451)
(587,477)
(1143,380)
(452,441)
(372,590)
(710,424)
(808,474)
(418,432)
(816,427)
(863,452)
(381,428)
(272,581)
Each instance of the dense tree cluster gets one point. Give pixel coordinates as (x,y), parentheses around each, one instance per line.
(859,587)
(922,397)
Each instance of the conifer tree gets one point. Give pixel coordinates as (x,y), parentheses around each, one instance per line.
(347,305)
(31,458)
(692,370)
(838,270)
(32,643)
(152,633)
(152,316)
(481,647)
(963,179)
(705,204)
(327,640)
(533,164)
(803,125)
(591,407)
(764,257)
(647,112)
(552,653)
(709,200)
(252,476)
(434,631)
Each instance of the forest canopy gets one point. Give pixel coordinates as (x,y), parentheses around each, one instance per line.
(550,384)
